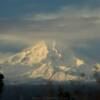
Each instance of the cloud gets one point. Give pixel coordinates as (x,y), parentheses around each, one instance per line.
(9,45)
(70,22)
(70,26)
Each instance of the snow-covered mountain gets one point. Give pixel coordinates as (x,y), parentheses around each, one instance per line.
(46,62)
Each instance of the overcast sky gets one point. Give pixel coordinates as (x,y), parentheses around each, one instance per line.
(74,23)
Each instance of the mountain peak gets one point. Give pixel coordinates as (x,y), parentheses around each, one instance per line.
(40,44)
(31,55)
(38,53)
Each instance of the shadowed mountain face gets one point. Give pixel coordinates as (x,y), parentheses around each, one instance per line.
(51,62)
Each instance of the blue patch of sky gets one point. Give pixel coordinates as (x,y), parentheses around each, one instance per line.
(92,51)
(17,8)
(11,47)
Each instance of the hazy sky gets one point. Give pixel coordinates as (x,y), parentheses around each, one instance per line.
(74,23)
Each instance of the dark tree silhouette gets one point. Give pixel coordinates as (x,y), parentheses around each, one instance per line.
(1,83)
(1,76)
(63,95)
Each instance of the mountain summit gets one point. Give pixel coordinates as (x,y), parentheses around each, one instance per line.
(32,55)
